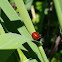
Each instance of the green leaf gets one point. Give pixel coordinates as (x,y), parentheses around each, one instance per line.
(10,12)
(12,41)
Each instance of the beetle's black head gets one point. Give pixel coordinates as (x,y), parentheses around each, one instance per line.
(38,39)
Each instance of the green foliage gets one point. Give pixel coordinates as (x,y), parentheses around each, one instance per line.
(16,30)
(9,41)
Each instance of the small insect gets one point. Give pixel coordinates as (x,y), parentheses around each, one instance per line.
(36,36)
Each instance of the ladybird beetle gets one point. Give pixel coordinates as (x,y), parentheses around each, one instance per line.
(36,36)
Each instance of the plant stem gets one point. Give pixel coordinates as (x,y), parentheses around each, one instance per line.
(24,15)
(58,10)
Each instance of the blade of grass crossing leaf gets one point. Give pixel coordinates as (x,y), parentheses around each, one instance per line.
(25,16)
(21,55)
(23,31)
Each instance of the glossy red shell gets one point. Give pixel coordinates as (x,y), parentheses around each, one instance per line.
(35,36)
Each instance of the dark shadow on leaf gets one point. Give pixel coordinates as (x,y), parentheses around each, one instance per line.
(10,26)
(30,53)
(37,43)
(4,54)
(14,57)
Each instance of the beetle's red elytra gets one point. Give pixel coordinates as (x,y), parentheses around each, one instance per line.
(35,36)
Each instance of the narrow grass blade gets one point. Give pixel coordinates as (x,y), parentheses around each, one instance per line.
(36,50)
(24,15)
(43,54)
(23,31)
